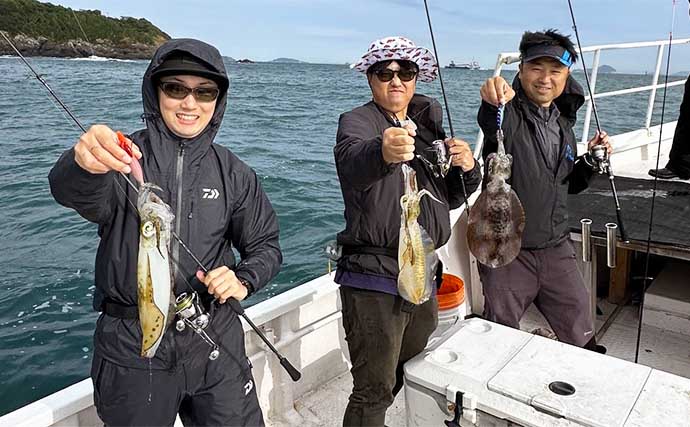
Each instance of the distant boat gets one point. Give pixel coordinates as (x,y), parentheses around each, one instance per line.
(474,65)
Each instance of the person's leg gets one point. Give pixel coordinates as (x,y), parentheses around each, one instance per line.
(134,397)
(374,327)
(679,157)
(221,392)
(510,289)
(423,321)
(563,298)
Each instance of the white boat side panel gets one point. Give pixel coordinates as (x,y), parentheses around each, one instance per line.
(665,400)
(62,407)
(542,361)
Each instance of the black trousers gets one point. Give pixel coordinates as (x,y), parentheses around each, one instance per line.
(382,332)
(679,157)
(221,392)
(549,278)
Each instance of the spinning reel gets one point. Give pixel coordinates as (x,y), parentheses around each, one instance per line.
(436,158)
(597,158)
(191,313)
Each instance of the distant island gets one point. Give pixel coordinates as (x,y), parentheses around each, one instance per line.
(603,69)
(44,29)
(288,61)
(245,61)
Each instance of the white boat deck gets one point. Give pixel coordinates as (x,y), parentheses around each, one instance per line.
(635,153)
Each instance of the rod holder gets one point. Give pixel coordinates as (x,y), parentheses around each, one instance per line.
(611,228)
(586,224)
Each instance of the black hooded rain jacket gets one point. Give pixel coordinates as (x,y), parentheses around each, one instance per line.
(218,204)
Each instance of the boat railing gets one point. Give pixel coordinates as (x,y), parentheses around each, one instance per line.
(507,58)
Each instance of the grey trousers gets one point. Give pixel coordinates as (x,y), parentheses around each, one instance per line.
(550,279)
(382,332)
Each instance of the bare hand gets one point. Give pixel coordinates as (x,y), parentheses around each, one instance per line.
(222,283)
(461,154)
(600,139)
(98,151)
(398,145)
(496,91)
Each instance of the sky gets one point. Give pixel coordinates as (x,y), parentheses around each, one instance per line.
(339,31)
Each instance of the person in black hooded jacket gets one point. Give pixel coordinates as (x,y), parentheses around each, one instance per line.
(540,112)
(218,203)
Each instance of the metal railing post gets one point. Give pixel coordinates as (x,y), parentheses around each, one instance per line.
(480,135)
(593,83)
(652,93)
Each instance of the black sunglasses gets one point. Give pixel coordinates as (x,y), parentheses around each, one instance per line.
(404,74)
(179,91)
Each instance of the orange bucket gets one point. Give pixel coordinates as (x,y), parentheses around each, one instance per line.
(452,292)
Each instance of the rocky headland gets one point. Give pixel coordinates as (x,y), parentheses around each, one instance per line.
(43,29)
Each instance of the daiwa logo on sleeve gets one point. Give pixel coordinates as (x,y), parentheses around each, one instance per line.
(210,193)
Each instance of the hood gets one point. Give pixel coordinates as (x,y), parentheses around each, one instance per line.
(158,132)
(572,98)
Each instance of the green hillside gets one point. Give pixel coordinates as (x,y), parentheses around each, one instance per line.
(58,24)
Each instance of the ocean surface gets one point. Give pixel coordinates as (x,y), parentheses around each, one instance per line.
(281,120)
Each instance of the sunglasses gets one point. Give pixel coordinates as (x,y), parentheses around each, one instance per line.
(404,74)
(179,91)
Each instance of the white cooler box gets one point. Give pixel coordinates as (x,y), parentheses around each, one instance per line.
(505,377)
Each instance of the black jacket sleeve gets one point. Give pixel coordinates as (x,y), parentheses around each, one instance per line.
(358,155)
(472,180)
(579,178)
(254,233)
(73,187)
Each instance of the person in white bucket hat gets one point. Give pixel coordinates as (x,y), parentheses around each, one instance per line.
(382,329)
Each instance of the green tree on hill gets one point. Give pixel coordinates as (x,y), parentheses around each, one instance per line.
(58,24)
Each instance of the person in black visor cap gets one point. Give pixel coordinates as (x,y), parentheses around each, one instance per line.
(540,112)
(218,203)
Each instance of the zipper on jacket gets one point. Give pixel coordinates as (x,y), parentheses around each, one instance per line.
(178,211)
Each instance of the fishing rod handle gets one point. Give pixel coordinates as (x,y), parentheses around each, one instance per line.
(291,370)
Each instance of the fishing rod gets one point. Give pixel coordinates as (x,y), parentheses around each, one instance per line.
(445,101)
(656,179)
(599,154)
(235,304)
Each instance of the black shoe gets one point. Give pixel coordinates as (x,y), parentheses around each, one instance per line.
(663,173)
(600,349)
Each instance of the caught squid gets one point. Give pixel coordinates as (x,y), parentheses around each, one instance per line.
(417,258)
(154,281)
(497,219)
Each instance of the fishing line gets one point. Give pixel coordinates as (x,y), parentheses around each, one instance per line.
(656,179)
(445,101)
(235,304)
(602,157)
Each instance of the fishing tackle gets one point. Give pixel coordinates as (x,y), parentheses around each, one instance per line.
(445,101)
(601,162)
(436,158)
(656,178)
(191,313)
(234,304)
